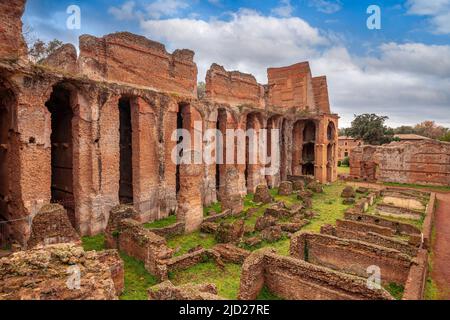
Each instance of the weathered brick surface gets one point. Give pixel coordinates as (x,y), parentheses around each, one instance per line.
(233,87)
(294,279)
(114,58)
(51,226)
(12,44)
(351,256)
(157,89)
(47,267)
(421,162)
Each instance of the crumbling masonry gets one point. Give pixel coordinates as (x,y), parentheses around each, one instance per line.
(93,130)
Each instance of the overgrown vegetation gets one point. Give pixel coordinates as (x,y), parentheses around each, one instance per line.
(217,207)
(170,220)
(137,279)
(96,243)
(396,290)
(265,294)
(227,280)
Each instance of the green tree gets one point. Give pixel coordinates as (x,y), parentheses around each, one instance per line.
(371,129)
(201,90)
(430,129)
(344,132)
(39,50)
(404,130)
(445,137)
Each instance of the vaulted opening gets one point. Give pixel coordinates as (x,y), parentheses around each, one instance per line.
(183,122)
(126,152)
(221,127)
(309,147)
(7,107)
(60,106)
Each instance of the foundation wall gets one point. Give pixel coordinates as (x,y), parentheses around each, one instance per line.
(294,279)
(350,256)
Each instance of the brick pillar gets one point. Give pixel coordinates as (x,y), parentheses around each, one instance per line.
(145,160)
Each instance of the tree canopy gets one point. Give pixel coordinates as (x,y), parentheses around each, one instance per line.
(371,129)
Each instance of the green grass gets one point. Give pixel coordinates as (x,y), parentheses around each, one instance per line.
(329,205)
(170,220)
(96,243)
(227,281)
(265,294)
(189,241)
(217,207)
(137,279)
(396,290)
(417,186)
(343,170)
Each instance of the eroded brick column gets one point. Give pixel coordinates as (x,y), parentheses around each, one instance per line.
(145,160)
(321,151)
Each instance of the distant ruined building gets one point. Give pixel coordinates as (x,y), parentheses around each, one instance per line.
(94,130)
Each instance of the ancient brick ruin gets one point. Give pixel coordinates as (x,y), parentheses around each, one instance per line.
(425,162)
(93,131)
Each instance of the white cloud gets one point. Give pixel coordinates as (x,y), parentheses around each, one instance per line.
(326,6)
(125,12)
(438,12)
(406,81)
(284,10)
(165,8)
(248,41)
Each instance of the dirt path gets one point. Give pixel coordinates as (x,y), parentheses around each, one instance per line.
(441,260)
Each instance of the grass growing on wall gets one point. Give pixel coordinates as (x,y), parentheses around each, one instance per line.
(396,290)
(217,207)
(227,281)
(137,279)
(185,242)
(329,205)
(418,186)
(96,243)
(265,294)
(170,220)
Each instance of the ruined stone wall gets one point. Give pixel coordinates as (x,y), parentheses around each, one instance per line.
(127,58)
(234,88)
(421,162)
(292,87)
(350,256)
(157,87)
(12,44)
(294,279)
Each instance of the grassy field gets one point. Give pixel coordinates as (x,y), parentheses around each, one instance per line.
(328,205)
(343,170)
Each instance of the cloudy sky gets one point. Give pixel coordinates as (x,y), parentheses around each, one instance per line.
(401,71)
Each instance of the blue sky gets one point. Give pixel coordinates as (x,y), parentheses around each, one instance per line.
(402,70)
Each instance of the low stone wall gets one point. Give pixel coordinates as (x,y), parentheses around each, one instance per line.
(44,273)
(294,279)
(427,227)
(351,256)
(167,291)
(398,227)
(112,259)
(188,260)
(397,212)
(170,231)
(364,227)
(230,253)
(219,216)
(415,284)
(140,243)
(370,237)
(51,225)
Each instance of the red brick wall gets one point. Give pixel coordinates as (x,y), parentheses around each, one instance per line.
(234,88)
(132,59)
(291,86)
(12,44)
